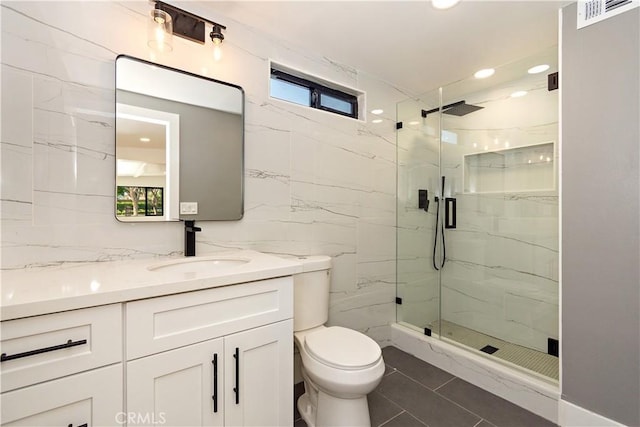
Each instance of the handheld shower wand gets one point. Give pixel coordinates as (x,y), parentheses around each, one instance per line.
(435,238)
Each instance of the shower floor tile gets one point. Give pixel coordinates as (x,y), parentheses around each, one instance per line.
(415,393)
(533,360)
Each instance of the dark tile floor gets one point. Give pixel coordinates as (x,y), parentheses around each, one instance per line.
(415,393)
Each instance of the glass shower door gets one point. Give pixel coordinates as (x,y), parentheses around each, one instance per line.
(499,286)
(491,284)
(418,155)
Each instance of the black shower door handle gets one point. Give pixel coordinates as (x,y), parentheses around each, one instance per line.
(450,212)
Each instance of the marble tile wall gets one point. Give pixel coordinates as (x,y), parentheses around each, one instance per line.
(315,183)
(501,275)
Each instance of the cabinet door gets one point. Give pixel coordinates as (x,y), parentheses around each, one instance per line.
(177,387)
(259,376)
(91,398)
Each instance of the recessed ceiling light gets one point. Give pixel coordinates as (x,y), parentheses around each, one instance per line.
(484,73)
(518,93)
(377,111)
(145,139)
(538,69)
(444,4)
(413,123)
(376,121)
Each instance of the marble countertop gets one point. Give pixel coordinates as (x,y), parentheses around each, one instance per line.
(71,286)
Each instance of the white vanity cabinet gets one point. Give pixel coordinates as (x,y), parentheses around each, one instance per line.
(221,356)
(120,344)
(63,368)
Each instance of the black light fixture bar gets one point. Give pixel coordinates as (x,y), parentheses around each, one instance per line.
(186,24)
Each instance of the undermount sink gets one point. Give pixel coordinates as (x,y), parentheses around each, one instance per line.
(198,265)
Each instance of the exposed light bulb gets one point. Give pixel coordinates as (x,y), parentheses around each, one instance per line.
(160,31)
(217,52)
(217,37)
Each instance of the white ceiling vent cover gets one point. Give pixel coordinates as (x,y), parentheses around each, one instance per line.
(592,11)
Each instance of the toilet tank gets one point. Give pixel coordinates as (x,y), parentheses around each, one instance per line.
(311,292)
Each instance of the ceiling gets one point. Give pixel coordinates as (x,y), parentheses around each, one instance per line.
(407,43)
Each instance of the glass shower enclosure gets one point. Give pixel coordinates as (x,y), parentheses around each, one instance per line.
(477,214)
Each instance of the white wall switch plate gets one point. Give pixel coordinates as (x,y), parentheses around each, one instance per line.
(189,208)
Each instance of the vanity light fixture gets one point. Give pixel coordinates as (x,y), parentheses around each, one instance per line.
(217,37)
(160,31)
(167,20)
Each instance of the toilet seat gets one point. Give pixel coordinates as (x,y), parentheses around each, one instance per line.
(342,348)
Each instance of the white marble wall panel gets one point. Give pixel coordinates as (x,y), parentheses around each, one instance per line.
(315,183)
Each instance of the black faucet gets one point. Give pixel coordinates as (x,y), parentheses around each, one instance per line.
(190,230)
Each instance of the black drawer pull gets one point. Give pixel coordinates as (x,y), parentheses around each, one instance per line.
(81,425)
(68,344)
(215,382)
(236,389)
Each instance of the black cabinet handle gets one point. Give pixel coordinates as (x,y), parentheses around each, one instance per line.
(236,389)
(81,425)
(215,382)
(4,357)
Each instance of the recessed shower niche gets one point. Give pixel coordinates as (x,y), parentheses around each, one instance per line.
(519,169)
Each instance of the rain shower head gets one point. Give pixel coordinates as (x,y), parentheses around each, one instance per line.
(460,108)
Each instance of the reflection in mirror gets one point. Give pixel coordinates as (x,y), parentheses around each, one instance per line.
(148,157)
(179,145)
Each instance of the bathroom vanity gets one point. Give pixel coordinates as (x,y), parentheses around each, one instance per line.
(204,341)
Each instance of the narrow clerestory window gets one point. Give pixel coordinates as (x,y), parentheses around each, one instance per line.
(309,93)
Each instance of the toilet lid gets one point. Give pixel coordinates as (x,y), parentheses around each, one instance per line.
(342,348)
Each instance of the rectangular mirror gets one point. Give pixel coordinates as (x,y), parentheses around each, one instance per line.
(179,145)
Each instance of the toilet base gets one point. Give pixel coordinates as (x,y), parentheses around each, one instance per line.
(331,411)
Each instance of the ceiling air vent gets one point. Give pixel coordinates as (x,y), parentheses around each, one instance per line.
(592,11)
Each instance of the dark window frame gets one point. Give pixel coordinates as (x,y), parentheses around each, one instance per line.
(316,90)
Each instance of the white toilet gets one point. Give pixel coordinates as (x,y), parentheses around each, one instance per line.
(340,366)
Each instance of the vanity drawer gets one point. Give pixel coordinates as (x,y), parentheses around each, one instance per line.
(91,398)
(159,324)
(41,348)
